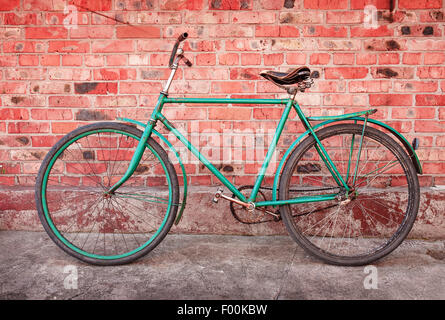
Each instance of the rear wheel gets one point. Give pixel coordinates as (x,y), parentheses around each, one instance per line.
(369,222)
(85,221)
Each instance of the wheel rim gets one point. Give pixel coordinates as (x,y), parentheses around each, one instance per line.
(96,201)
(367,220)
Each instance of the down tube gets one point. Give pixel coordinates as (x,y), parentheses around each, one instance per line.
(201,158)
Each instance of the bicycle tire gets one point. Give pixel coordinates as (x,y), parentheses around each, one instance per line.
(307,237)
(51,216)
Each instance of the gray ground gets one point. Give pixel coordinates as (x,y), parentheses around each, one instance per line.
(217,267)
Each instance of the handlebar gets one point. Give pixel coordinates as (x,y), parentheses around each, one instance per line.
(181,38)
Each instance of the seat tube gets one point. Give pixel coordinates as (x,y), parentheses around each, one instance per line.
(271,149)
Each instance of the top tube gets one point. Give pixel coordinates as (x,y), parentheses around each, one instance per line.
(226,101)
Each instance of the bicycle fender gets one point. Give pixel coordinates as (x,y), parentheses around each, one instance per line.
(409,148)
(184,174)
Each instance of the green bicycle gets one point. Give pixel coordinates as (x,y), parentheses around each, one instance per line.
(347,192)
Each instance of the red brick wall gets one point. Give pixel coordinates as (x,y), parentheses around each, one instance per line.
(47,70)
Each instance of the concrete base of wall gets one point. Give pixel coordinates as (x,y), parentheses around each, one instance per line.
(202,216)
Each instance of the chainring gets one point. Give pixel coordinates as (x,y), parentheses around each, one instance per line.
(242,215)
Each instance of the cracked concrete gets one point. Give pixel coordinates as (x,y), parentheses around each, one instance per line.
(201,267)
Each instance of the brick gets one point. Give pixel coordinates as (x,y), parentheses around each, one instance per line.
(392,72)
(326,4)
(228,59)
(9,5)
(429,126)
(343,58)
(312,17)
(344,100)
(69,74)
(250,59)
(369,86)
(20,18)
(52,87)
(25,74)
(117,60)
(419,31)
(12,87)
(51,114)
(321,31)
(23,46)
(229,113)
(385,44)
(113,46)
(28,127)
(425,45)
(390,99)
(45,32)
(28,60)
(59,18)
(245,74)
(415,86)
(181,4)
(360,4)
(344,17)
(434,58)
(94,5)
(412,58)
(430,100)
(413,113)
(68,46)
(420,4)
(92,32)
(14,114)
(95,88)
(381,31)
(388,58)
(24,101)
(431,72)
(295,58)
(273,59)
(206,59)
(68,101)
(230,4)
(206,17)
(267,31)
(8,61)
(71,60)
(253,17)
(114,74)
(50,60)
(320,58)
(138,32)
(346,73)
(140,87)
(232,87)
(289,31)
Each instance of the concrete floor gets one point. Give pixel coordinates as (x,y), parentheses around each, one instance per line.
(201,267)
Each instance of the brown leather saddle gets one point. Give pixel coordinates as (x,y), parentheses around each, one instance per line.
(287,78)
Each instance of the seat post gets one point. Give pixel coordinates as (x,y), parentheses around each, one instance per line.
(170,79)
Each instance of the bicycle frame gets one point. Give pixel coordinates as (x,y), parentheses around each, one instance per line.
(288,105)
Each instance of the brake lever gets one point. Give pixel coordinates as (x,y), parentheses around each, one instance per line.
(186,61)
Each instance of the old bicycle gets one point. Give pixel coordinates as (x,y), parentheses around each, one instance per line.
(346,189)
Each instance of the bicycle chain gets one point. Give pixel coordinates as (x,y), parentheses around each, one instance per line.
(232,209)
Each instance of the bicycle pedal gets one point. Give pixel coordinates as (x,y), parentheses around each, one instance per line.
(218,194)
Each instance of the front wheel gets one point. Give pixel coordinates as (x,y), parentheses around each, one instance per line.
(359,226)
(87,222)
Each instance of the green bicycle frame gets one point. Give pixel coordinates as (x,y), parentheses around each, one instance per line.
(288,105)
